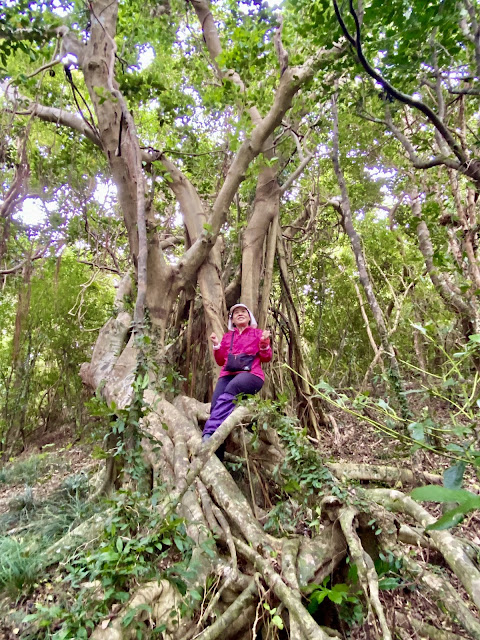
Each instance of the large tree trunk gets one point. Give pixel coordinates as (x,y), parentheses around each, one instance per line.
(249,564)
(265,211)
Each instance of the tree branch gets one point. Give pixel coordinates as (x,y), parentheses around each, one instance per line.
(391,90)
(38,254)
(17,192)
(295,174)
(291,81)
(417,162)
(53,114)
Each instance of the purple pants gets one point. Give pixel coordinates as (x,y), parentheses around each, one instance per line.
(228,388)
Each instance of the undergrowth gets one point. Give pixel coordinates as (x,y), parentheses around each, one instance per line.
(51,518)
(302,478)
(31,470)
(134,547)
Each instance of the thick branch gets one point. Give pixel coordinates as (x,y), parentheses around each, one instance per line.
(57,116)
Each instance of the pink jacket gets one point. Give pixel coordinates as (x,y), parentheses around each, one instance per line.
(249,341)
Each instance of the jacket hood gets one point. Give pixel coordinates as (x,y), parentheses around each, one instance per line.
(253,322)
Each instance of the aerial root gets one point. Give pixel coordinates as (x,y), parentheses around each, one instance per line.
(366,569)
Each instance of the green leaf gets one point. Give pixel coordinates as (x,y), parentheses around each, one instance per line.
(119,545)
(449,519)
(131,613)
(388,583)
(179,544)
(453,476)
(419,327)
(309,588)
(474,337)
(340,588)
(417,431)
(335,597)
(384,405)
(457,449)
(434,493)
(318,596)
(277,621)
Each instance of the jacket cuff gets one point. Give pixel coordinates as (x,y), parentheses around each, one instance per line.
(264,344)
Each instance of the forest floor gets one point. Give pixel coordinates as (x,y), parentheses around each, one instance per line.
(43,466)
(49,464)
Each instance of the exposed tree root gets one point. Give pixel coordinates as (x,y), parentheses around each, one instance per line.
(452,549)
(290,599)
(84,534)
(162,599)
(444,593)
(201,489)
(220,626)
(379,473)
(366,569)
